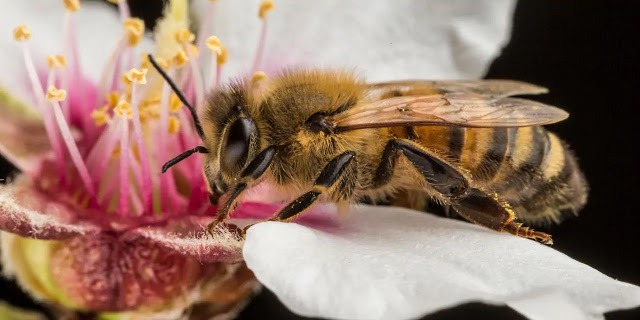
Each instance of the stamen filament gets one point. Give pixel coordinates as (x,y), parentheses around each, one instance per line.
(100,154)
(219,55)
(73,149)
(213,73)
(112,72)
(206,25)
(123,9)
(138,207)
(144,160)
(123,201)
(265,7)
(260,50)
(196,80)
(36,86)
(70,46)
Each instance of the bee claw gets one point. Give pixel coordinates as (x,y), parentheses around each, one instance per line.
(244,230)
(211,226)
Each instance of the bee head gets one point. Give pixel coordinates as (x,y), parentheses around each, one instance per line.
(231,134)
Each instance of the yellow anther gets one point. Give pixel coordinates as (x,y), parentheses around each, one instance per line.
(22,33)
(123,109)
(162,63)
(174,103)
(216,47)
(56,61)
(134,28)
(181,58)
(134,149)
(174,125)
(71,5)
(265,7)
(223,56)
(55,94)
(136,152)
(151,102)
(149,109)
(127,82)
(137,75)
(194,50)
(100,116)
(144,60)
(213,43)
(116,151)
(258,77)
(145,63)
(112,99)
(184,36)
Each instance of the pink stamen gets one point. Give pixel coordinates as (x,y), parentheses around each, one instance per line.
(112,71)
(214,73)
(260,50)
(101,152)
(128,55)
(218,74)
(36,86)
(48,118)
(54,134)
(123,9)
(138,208)
(123,204)
(147,191)
(196,80)
(70,49)
(73,150)
(205,27)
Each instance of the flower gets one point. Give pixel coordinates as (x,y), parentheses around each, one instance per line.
(90,224)
(377,263)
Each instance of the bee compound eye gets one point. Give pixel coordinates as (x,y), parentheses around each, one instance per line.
(235,148)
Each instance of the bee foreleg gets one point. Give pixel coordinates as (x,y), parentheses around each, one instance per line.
(252,172)
(328,177)
(487,210)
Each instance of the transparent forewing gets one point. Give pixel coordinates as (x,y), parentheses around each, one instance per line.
(491,88)
(449,109)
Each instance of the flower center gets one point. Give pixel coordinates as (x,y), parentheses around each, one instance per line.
(109,140)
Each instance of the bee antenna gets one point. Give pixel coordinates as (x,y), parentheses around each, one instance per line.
(182,156)
(183,99)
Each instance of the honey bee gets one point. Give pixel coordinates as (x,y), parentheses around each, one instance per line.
(328,136)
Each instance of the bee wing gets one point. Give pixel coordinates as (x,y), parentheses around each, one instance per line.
(491,88)
(464,109)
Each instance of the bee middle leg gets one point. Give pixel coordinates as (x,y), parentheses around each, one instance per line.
(471,203)
(330,175)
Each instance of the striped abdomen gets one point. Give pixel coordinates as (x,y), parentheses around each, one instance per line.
(529,167)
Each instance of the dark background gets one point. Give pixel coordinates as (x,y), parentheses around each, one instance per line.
(587,54)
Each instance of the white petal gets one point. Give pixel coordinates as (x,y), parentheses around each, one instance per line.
(384,39)
(392,263)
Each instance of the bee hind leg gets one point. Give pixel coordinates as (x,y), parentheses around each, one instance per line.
(487,210)
(329,177)
(472,204)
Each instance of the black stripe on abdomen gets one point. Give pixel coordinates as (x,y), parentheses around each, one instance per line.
(456,142)
(500,145)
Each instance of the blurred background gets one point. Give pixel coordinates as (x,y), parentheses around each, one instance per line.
(587,54)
